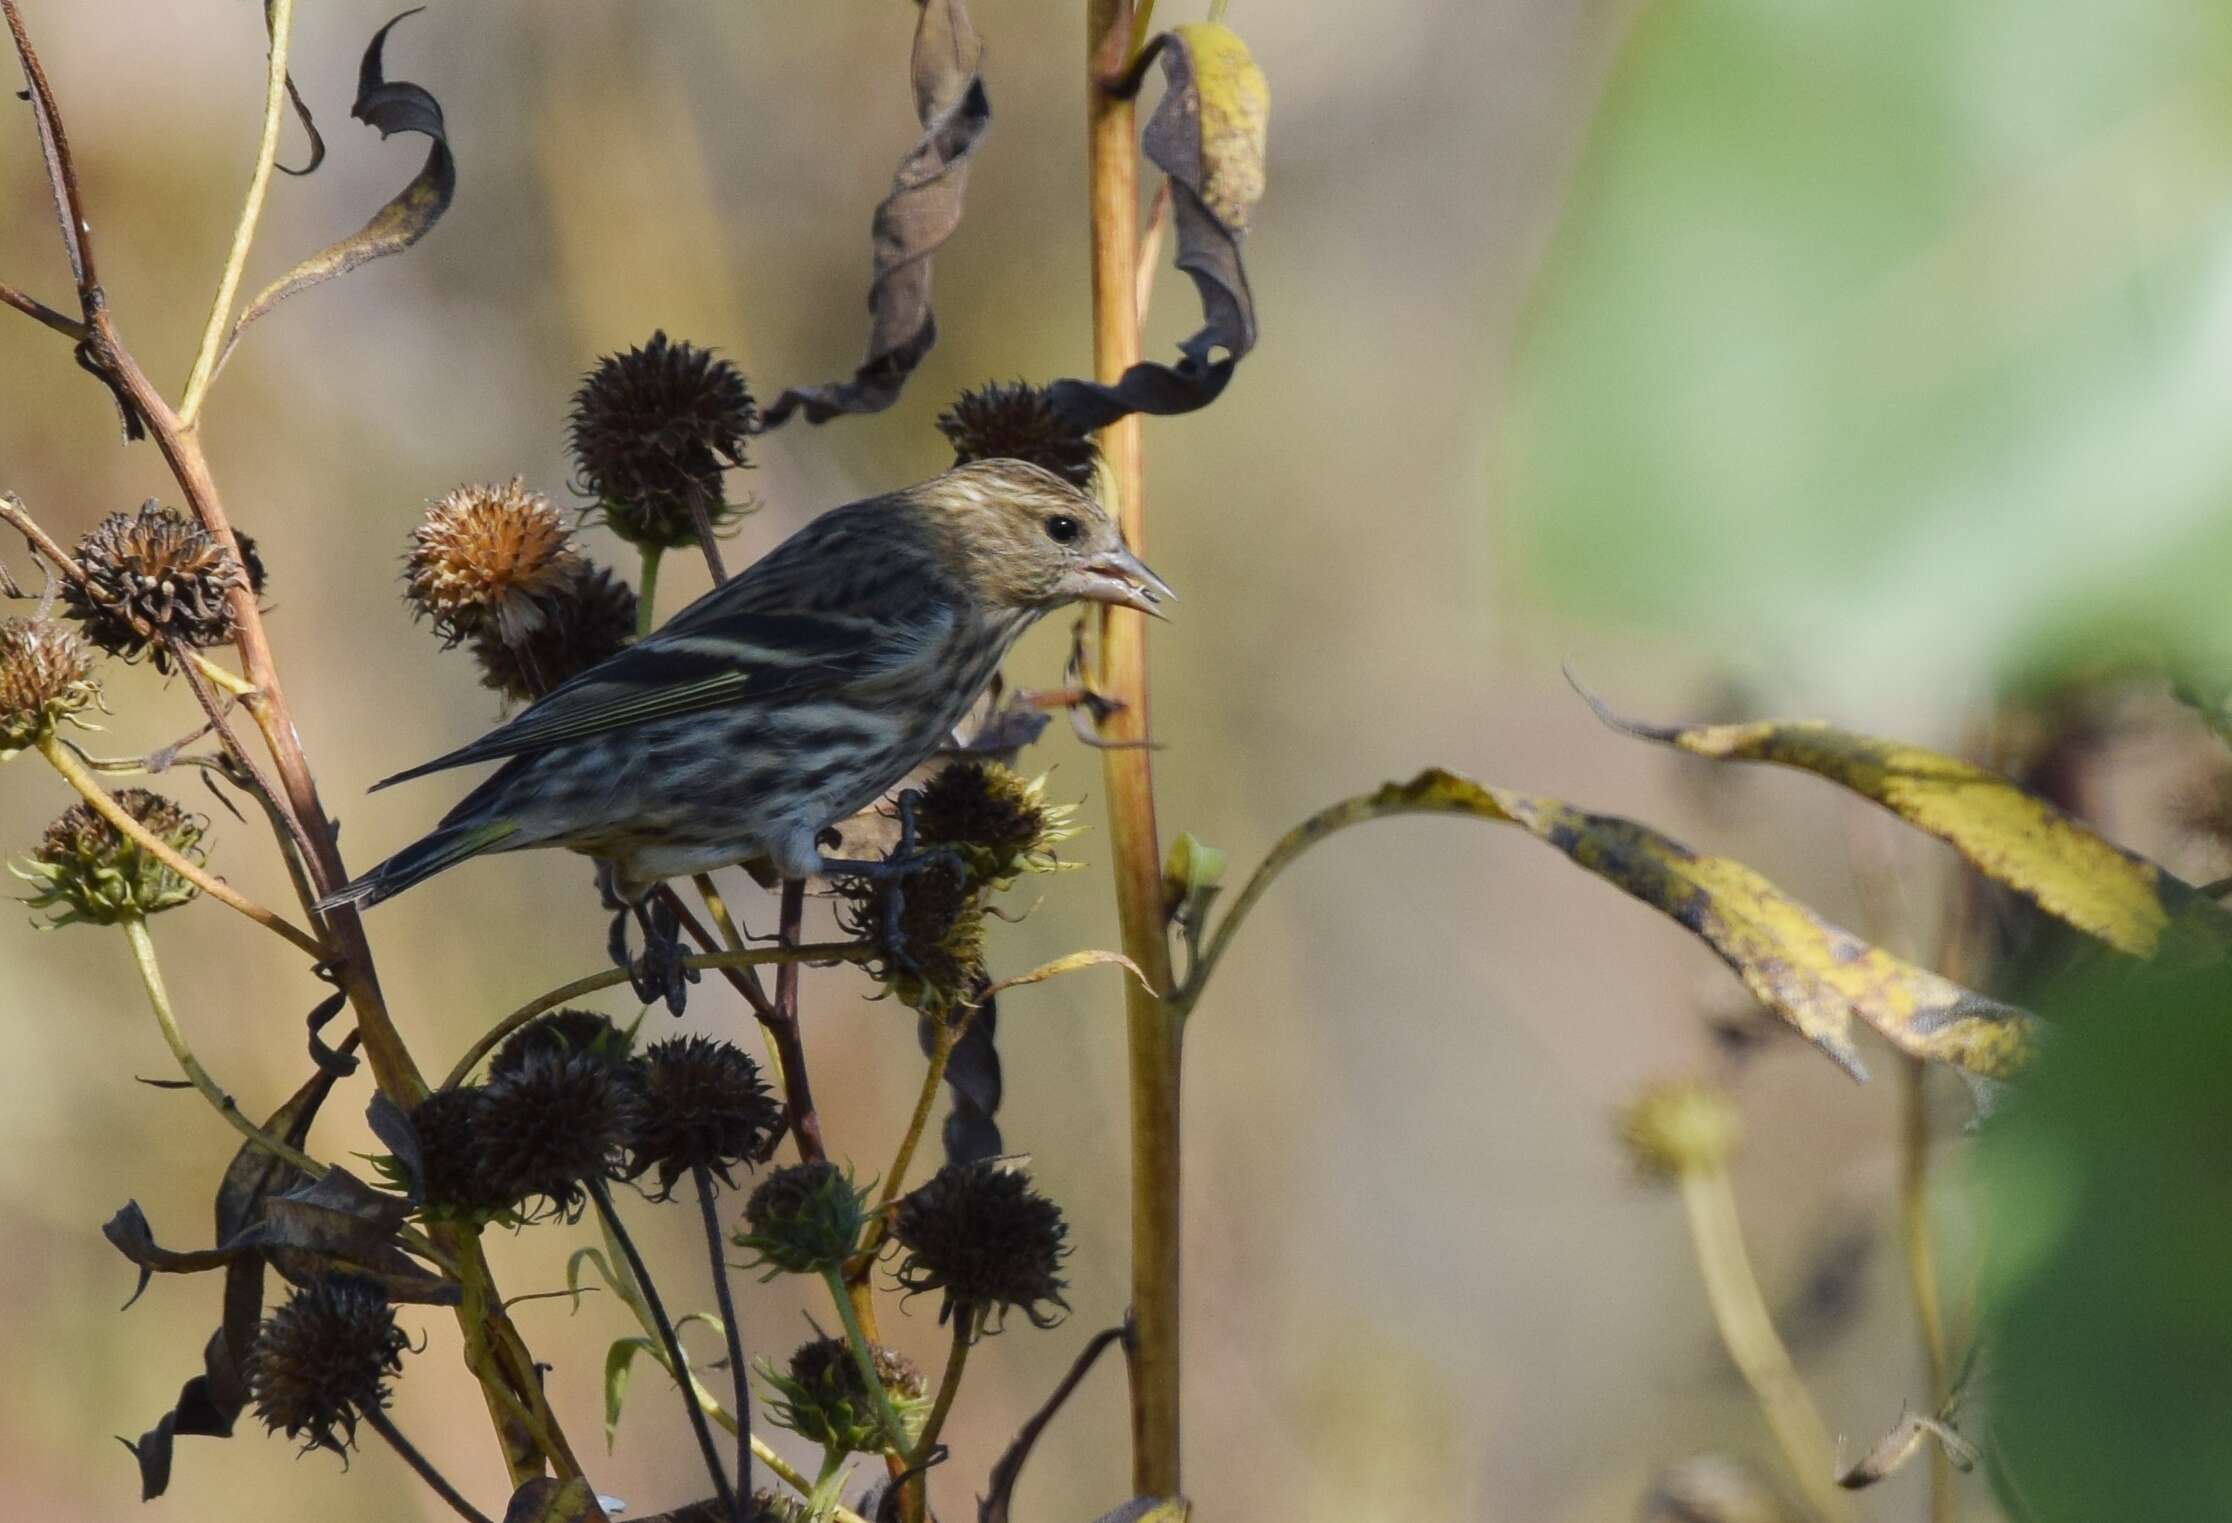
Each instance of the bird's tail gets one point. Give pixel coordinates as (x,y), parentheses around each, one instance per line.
(420,860)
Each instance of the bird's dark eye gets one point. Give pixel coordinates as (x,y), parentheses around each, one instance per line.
(1063,529)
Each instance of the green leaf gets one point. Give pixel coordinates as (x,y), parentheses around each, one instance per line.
(619,1365)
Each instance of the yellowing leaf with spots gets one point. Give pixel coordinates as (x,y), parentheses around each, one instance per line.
(2013,837)
(1815,975)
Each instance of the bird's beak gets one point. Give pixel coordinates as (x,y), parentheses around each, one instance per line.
(1118,577)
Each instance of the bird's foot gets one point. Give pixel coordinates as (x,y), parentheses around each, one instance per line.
(660,973)
(908,859)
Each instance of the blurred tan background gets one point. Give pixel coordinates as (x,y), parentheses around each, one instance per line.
(1493,424)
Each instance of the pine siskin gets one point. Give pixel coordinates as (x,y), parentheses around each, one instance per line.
(790,697)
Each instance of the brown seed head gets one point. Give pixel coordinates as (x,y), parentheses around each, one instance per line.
(88,870)
(591,617)
(489,557)
(152,577)
(46,676)
(999,421)
(652,431)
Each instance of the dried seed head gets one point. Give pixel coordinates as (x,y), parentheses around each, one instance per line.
(324,1359)
(489,557)
(823,1399)
(982,1237)
(592,616)
(1680,1126)
(46,676)
(93,872)
(150,578)
(553,1121)
(940,947)
(565,1033)
(1017,422)
(704,1106)
(452,1156)
(803,1219)
(1002,824)
(652,430)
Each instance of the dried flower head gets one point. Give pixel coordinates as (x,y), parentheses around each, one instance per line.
(489,557)
(704,1107)
(982,1237)
(152,577)
(552,1121)
(652,431)
(999,822)
(823,1399)
(803,1219)
(46,676)
(1018,422)
(323,1360)
(591,617)
(940,944)
(94,872)
(564,1032)
(1680,1126)
(454,1177)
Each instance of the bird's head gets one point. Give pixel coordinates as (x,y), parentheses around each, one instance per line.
(1027,539)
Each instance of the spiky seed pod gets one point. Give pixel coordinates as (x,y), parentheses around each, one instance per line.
(652,430)
(553,1121)
(979,1235)
(591,617)
(1017,422)
(704,1106)
(940,946)
(565,1033)
(324,1359)
(46,677)
(453,1157)
(93,872)
(151,577)
(1680,1126)
(999,822)
(823,1399)
(803,1219)
(489,557)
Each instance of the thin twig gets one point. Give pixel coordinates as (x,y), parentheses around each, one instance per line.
(798,1089)
(967,1319)
(864,1358)
(820,951)
(738,1370)
(602,1195)
(947,1033)
(89,787)
(1921,1256)
(647,591)
(32,307)
(279,17)
(158,996)
(379,1422)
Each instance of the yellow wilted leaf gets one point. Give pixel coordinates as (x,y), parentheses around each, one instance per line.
(1235,115)
(2012,837)
(1813,974)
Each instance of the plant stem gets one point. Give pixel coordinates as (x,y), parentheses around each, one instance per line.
(864,1355)
(602,1195)
(1741,1312)
(941,1050)
(151,975)
(1921,1257)
(702,1177)
(89,788)
(790,1047)
(379,1422)
(821,1502)
(647,591)
(820,951)
(281,16)
(966,1320)
(1153,1026)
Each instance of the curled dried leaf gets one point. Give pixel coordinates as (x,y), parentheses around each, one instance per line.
(913,221)
(388,106)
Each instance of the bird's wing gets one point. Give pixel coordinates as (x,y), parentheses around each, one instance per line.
(712,658)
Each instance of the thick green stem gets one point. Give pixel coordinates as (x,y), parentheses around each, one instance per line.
(647,592)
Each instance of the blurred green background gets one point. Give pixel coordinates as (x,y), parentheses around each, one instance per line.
(1769,356)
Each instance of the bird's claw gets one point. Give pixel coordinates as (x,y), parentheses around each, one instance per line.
(660,973)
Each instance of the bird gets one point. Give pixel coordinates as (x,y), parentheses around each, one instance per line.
(788,698)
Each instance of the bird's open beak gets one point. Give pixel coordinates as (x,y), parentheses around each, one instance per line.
(1118,577)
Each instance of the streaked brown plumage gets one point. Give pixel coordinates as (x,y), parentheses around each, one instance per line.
(790,697)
